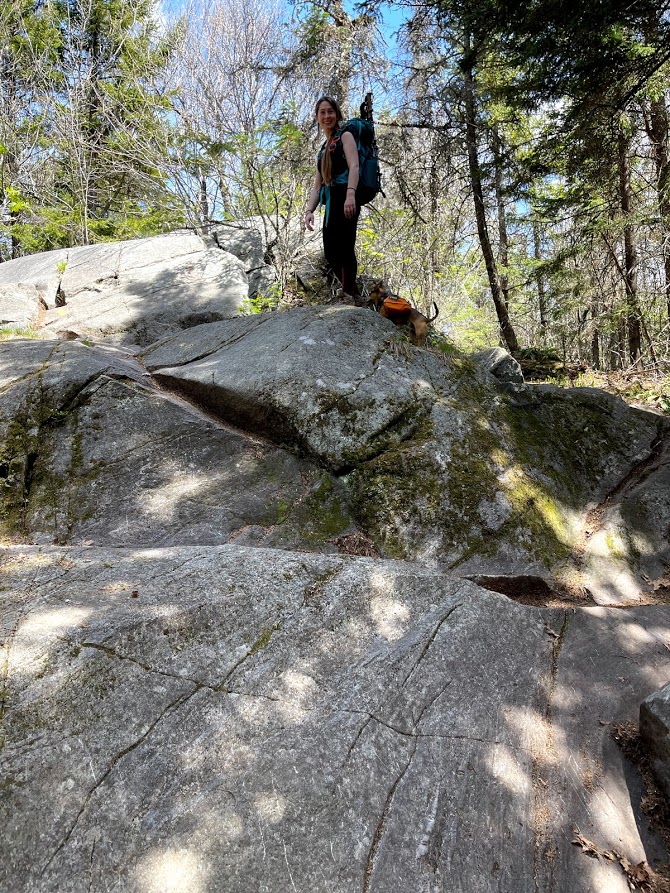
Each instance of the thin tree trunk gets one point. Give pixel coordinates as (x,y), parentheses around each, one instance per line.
(657,130)
(506,328)
(203,201)
(595,347)
(630,254)
(539,279)
(503,239)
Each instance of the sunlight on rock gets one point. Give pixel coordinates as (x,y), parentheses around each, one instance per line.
(531,731)
(162,502)
(21,560)
(611,581)
(173,871)
(610,809)
(503,765)
(634,637)
(270,806)
(389,617)
(346,640)
(567,698)
(42,623)
(239,758)
(641,543)
(381,583)
(300,693)
(608,544)
(255,711)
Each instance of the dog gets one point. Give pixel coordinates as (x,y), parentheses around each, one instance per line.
(401,312)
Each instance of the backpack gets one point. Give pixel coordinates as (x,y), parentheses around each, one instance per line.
(396,309)
(363,131)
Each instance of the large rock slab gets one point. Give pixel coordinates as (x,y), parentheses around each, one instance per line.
(655,731)
(247,719)
(318,379)
(247,244)
(295,253)
(125,292)
(28,285)
(441,462)
(91,452)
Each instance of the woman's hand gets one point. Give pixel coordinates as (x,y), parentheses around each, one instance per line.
(309,220)
(350,204)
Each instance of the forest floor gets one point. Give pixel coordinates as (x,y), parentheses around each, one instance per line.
(647,388)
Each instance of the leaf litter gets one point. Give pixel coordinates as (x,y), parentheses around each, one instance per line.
(639,877)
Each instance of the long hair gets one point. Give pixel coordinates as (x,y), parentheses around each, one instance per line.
(326,160)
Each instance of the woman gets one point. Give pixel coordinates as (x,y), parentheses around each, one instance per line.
(335,183)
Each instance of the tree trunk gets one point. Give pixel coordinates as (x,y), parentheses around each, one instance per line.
(630,254)
(657,130)
(595,348)
(203,201)
(539,280)
(506,329)
(503,240)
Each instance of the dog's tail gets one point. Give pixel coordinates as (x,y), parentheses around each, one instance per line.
(431,318)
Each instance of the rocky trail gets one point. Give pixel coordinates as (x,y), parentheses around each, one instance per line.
(203,689)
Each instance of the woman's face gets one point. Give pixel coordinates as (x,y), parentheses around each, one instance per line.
(326,116)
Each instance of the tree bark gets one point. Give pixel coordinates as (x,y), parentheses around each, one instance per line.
(506,329)
(630,253)
(539,280)
(657,131)
(503,239)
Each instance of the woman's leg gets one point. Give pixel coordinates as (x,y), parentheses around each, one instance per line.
(339,242)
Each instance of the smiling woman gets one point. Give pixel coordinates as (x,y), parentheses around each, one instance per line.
(338,157)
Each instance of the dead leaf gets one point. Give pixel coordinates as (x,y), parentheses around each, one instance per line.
(639,873)
(588,847)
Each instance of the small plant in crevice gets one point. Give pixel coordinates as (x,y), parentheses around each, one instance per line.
(262,302)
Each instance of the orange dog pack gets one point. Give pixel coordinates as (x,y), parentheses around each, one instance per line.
(396,309)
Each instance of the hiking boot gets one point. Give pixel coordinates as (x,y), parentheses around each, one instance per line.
(342,297)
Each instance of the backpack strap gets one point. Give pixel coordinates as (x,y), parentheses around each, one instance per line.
(341,179)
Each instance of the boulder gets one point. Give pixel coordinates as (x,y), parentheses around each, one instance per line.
(248,245)
(655,732)
(204,688)
(125,292)
(249,719)
(309,264)
(28,285)
(320,380)
(501,364)
(290,247)
(440,463)
(92,452)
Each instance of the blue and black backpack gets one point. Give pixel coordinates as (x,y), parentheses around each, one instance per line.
(369,177)
(363,131)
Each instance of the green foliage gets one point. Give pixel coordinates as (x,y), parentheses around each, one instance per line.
(262,302)
(82,123)
(8,333)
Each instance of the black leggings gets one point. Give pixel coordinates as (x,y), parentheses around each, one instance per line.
(339,240)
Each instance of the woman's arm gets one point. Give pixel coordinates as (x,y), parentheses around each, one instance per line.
(351,154)
(313,202)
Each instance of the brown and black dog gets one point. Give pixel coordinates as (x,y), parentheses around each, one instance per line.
(401,312)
